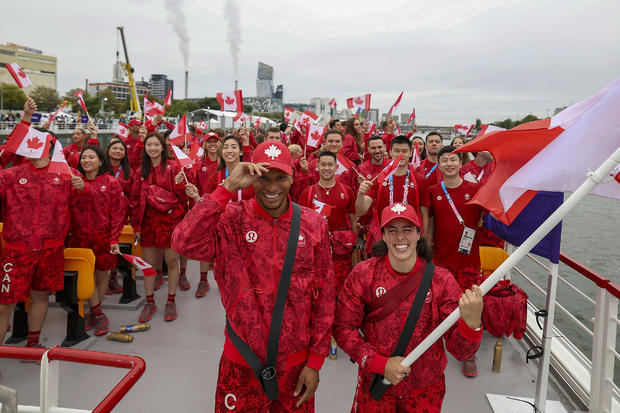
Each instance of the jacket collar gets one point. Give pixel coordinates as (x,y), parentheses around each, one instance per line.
(261,211)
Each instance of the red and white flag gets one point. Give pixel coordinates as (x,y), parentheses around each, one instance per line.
(412,116)
(53,115)
(152,108)
(80,100)
(398,131)
(464,129)
(288,114)
(396,104)
(257,124)
(58,163)
(28,142)
(122,130)
(359,102)
(195,151)
(231,101)
(315,136)
(140,264)
(371,127)
(18,74)
(183,159)
(203,125)
(322,208)
(484,129)
(177,136)
(344,164)
(168,99)
(415,158)
(391,167)
(332,103)
(308,118)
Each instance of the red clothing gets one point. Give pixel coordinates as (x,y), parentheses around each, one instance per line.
(350,150)
(426,400)
(204,168)
(432,176)
(380,191)
(118,173)
(134,152)
(218,177)
(72,152)
(99,244)
(369,170)
(372,350)
(10,158)
(248,246)
(447,228)
(340,198)
(481,173)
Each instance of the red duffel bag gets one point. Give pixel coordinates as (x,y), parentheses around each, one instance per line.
(343,241)
(505,310)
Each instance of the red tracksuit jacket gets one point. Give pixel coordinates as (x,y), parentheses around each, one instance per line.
(100,211)
(134,152)
(35,207)
(248,247)
(373,349)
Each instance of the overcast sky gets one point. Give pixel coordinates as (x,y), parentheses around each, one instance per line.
(455,60)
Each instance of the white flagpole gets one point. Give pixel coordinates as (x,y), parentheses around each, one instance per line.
(594,178)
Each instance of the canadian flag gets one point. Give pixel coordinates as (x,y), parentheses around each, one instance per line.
(80,100)
(391,167)
(359,102)
(58,163)
(396,104)
(308,118)
(168,99)
(315,135)
(53,115)
(140,264)
(152,108)
(344,164)
(122,130)
(412,116)
(28,142)
(288,113)
(464,129)
(332,103)
(18,74)
(203,125)
(371,127)
(415,158)
(398,131)
(183,159)
(177,136)
(195,151)
(322,208)
(231,101)
(257,124)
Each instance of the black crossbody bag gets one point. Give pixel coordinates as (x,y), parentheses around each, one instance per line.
(266,374)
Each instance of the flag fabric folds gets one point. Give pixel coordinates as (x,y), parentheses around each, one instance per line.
(80,100)
(28,142)
(396,104)
(359,103)
(58,163)
(412,116)
(183,159)
(177,136)
(231,101)
(140,264)
(168,99)
(18,75)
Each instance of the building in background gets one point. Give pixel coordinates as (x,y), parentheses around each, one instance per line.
(120,89)
(264,81)
(266,100)
(160,85)
(40,68)
(321,107)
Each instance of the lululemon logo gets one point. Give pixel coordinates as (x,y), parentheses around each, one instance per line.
(226,402)
(379,291)
(251,236)
(23,181)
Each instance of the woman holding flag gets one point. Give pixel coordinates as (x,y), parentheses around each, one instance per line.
(157,206)
(97,219)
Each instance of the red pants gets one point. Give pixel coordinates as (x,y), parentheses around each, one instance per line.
(425,400)
(100,244)
(342,267)
(22,271)
(238,390)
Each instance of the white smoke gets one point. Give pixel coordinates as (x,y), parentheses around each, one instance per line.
(231,11)
(176,17)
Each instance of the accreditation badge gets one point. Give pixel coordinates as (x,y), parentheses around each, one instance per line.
(467,240)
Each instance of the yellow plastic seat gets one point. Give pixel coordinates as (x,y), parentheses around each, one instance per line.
(82,260)
(490,259)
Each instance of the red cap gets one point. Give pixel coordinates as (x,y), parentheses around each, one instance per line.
(276,154)
(212,135)
(398,210)
(135,122)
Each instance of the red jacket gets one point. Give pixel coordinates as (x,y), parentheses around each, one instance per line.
(349,149)
(248,246)
(100,211)
(162,177)
(134,152)
(372,350)
(35,207)
(72,152)
(204,168)
(118,173)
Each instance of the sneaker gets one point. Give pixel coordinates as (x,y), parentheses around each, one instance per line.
(147,312)
(469,368)
(159,281)
(114,287)
(89,321)
(101,325)
(33,361)
(203,287)
(171,312)
(184,282)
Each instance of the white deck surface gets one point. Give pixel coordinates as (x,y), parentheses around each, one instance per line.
(182,365)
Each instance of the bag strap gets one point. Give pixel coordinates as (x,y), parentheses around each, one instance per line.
(377,388)
(266,374)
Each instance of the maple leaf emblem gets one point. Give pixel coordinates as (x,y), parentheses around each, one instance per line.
(359,101)
(398,208)
(273,152)
(21,73)
(229,100)
(34,143)
(316,135)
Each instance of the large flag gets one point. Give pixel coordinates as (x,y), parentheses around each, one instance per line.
(28,142)
(177,136)
(315,135)
(80,100)
(359,102)
(412,116)
(390,168)
(53,115)
(288,114)
(152,108)
(464,129)
(58,163)
(183,159)
(231,101)
(122,130)
(396,104)
(168,99)
(18,74)
(484,129)
(140,264)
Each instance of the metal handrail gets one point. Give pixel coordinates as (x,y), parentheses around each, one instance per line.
(136,366)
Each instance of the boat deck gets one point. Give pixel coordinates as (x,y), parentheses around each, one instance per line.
(182,365)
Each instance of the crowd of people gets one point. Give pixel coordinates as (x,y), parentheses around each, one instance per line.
(308,254)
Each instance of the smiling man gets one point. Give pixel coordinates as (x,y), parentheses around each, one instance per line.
(249,242)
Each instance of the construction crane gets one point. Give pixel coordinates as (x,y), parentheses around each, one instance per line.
(134,104)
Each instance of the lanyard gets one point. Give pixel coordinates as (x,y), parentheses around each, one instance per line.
(226,172)
(239,191)
(118,172)
(431,171)
(405,190)
(449,198)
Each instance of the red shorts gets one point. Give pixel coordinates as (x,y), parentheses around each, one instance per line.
(22,271)
(156,232)
(342,267)
(238,391)
(425,400)
(100,244)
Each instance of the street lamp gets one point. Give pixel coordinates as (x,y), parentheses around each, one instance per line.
(102,102)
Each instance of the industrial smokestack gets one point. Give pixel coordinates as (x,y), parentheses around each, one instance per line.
(236,84)
(186,74)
